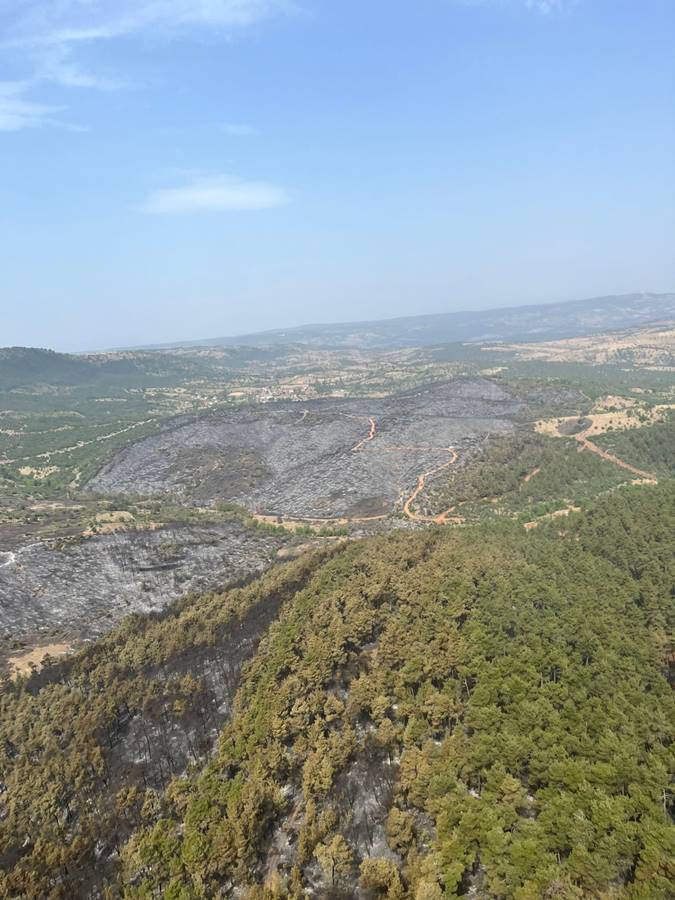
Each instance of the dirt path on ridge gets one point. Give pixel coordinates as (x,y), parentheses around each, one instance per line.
(440,519)
(586,444)
(368,438)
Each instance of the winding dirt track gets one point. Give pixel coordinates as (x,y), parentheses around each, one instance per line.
(585,444)
(370,436)
(78,446)
(421,481)
(440,519)
(589,445)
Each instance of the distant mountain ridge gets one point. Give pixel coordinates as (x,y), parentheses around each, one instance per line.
(24,366)
(540,322)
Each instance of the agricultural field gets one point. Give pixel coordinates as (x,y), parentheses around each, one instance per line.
(651,348)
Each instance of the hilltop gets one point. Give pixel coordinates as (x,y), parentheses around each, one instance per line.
(547,321)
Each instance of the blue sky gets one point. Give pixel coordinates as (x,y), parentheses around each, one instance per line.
(191,168)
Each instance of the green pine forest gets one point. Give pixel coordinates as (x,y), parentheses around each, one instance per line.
(478,712)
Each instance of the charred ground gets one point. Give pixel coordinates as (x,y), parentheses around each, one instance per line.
(322,459)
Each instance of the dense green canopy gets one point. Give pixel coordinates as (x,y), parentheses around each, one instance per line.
(481,711)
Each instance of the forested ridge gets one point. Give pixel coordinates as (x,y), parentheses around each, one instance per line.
(652,446)
(482,711)
(527,474)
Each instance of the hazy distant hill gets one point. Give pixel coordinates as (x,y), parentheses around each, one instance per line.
(521,323)
(24,366)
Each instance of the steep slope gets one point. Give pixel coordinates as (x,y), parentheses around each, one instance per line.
(481,711)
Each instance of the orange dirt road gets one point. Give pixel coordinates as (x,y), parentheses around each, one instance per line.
(585,444)
(371,435)
(440,519)
(421,481)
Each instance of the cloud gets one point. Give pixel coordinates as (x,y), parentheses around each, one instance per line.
(17,112)
(67,22)
(221,193)
(547,6)
(544,7)
(42,36)
(56,65)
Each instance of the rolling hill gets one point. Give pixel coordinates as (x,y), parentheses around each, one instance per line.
(548,321)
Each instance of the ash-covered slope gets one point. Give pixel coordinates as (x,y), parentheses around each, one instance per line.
(321,459)
(80,589)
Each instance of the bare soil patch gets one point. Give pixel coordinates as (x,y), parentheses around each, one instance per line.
(23,663)
(557,514)
(628,414)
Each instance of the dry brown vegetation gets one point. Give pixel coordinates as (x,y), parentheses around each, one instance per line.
(23,663)
(609,414)
(649,348)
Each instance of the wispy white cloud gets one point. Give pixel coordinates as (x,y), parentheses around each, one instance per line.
(56,64)
(42,36)
(220,193)
(66,22)
(18,112)
(548,6)
(544,7)
(234,129)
